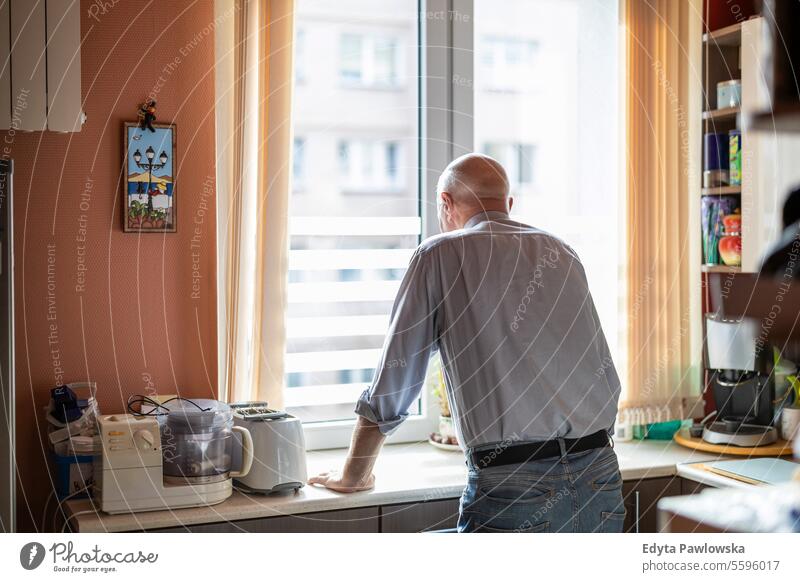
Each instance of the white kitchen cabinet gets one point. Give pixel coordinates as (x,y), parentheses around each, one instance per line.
(28,66)
(5,65)
(64,65)
(40,80)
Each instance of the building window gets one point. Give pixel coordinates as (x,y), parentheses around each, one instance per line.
(370,165)
(300,56)
(298,163)
(506,63)
(517,159)
(351,59)
(369,60)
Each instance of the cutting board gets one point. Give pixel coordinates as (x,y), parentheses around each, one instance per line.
(761,471)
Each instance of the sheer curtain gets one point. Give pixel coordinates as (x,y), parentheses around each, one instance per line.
(253,87)
(663,100)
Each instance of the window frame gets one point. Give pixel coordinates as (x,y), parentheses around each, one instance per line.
(445,102)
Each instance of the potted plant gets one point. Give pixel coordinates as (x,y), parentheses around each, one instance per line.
(447,433)
(790,414)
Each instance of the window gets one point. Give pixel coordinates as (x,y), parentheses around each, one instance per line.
(533,84)
(505,63)
(298,163)
(352,58)
(560,143)
(299,56)
(349,244)
(369,165)
(369,60)
(517,159)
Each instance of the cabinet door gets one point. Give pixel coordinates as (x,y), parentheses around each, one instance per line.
(28,66)
(63,65)
(689,487)
(5,65)
(641,498)
(418,517)
(362,520)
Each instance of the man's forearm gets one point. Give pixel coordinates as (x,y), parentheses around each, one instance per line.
(365,445)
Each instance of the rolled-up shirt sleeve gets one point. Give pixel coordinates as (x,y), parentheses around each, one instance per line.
(409,341)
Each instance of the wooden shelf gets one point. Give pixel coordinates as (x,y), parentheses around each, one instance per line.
(783,117)
(772,302)
(721,114)
(719,269)
(721,190)
(728,36)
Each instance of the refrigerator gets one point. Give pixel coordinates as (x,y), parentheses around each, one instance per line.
(7,426)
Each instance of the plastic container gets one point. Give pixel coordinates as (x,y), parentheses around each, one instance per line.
(729,93)
(73,473)
(659,431)
(197,441)
(715,159)
(735,157)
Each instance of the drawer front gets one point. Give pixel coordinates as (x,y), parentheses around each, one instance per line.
(362,520)
(418,517)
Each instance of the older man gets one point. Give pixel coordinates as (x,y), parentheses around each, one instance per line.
(530,380)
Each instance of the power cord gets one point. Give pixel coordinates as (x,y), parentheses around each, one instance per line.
(73,516)
(61,502)
(142,399)
(44,513)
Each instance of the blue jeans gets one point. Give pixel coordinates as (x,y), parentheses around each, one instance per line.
(579,492)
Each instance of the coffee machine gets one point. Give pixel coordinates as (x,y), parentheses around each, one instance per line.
(740,367)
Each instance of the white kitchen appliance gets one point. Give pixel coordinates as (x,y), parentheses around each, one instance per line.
(279,449)
(149,463)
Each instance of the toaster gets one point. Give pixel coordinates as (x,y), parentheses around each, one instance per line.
(279,449)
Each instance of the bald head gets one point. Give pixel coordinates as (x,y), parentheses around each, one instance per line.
(474,176)
(471,184)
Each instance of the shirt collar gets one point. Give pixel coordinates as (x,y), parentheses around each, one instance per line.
(483,216)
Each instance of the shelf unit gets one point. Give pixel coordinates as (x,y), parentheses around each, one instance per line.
(738,52)
(721,62)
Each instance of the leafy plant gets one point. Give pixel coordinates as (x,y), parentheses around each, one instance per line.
(137,209)
(436,381)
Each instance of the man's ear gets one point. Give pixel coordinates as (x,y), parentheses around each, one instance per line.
(447,202)
(510,203)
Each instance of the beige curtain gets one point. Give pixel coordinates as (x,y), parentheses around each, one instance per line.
(253,86)
(663,99)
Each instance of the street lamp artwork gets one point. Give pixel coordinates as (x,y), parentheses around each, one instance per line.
(150,163)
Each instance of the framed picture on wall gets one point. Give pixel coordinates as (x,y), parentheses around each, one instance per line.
(149,188)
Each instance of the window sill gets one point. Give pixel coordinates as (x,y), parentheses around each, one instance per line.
(405,473)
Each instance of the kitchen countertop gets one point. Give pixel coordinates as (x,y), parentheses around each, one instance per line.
(697,472)
(405,473)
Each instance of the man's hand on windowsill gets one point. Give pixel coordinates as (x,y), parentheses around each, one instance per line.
(357,474)
(336,481)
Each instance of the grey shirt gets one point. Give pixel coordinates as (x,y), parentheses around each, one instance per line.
(523,354)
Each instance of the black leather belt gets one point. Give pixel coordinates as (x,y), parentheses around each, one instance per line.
(516,454)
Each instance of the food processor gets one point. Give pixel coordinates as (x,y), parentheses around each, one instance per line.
(169,455)
(196,442)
